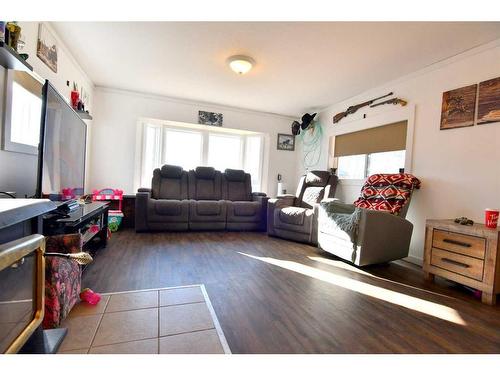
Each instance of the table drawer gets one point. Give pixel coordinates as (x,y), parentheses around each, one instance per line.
(459,243)
(461,264)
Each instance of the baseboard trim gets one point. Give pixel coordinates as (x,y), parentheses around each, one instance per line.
(414,260)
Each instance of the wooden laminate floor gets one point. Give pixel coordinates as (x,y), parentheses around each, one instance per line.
(277,296)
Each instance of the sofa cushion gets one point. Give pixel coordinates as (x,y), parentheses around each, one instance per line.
(171,171)
(208,208)
(207,211)
(168,207)
(245,208)
(387,192)
(205,183)
(237,191)
(312,195)
(168,211)
(205,173)
(169,182)
(294,219)
(236,175)
(236,185)
(292,215)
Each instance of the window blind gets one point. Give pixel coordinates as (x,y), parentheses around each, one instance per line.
(384,138)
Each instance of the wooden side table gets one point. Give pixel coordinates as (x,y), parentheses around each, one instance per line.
(466,254)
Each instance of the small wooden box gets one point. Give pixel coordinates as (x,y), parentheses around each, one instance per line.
(466,254)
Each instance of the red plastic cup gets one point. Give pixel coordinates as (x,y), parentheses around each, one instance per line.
(491,217)
(75,95)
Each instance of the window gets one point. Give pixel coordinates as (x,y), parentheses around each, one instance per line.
(183,148)
(253,160)
(361,166)
(190,146)
(385,162)
(351,167)
(23,115)
(225,151)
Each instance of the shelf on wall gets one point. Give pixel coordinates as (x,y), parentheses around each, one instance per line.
(84,115)
(10,59)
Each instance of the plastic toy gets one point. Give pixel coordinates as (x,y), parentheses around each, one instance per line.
(114,216)
(108,194)
(114,220)
(89,296)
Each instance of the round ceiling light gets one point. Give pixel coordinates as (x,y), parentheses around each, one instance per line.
(240,64)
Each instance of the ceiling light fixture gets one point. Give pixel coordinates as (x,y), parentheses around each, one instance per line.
(240,64)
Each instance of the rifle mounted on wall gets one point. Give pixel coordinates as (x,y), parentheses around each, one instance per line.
(394,101)
(353,108)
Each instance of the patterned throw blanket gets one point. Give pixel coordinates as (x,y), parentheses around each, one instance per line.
(345,221)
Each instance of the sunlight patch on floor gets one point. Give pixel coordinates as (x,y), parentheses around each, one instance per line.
(348,267)
(400,299)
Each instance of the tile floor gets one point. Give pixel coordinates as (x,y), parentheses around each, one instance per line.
(161,321)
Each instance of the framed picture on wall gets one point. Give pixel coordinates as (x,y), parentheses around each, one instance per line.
(488,109)
(458,107)
(46,48)
(210,118)
(286,142)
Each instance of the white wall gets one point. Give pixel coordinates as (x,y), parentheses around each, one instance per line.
(459,168)
(116,116)
(18,171)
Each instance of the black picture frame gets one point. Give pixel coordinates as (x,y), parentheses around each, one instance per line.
(285,142)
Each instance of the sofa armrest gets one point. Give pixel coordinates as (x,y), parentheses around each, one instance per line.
(277,203)
(282,201)
(330,200)
(260,198)
(144,190)
(263,201)
(337,207)
(258,194)
(142,199)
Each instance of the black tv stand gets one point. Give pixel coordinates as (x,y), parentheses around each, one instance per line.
(79,221)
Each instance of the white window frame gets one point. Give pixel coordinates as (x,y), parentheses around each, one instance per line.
(7,143)
(205,131)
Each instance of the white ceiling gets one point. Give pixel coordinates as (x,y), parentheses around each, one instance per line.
(300,66)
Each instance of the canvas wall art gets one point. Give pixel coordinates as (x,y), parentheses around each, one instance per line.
(286,142)
(458,107)
(488,109)
(46,49)
(210,118)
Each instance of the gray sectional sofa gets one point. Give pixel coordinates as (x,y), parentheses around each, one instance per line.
(201,199)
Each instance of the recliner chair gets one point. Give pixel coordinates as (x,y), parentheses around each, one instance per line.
(166,205)
(373,229)
(296,217)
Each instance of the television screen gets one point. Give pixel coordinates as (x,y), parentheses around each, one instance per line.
(61,173)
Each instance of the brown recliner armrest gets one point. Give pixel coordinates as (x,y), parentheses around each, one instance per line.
(142,199)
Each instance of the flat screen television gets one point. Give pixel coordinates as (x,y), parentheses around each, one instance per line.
(61,156)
